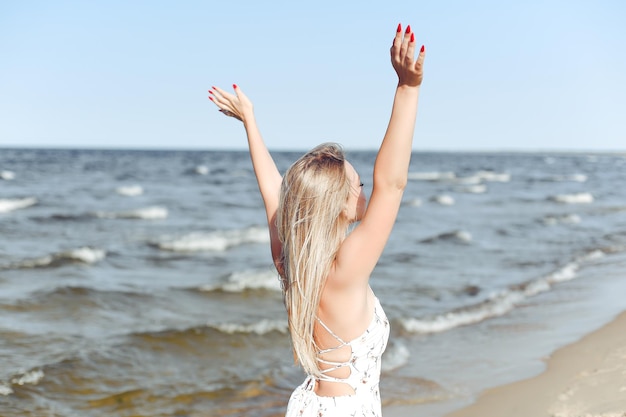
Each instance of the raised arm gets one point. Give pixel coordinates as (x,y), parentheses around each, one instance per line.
(360,252)
(268,177)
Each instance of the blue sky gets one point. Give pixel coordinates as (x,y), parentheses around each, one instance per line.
(499,75)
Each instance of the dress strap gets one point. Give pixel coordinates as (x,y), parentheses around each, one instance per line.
(332,334)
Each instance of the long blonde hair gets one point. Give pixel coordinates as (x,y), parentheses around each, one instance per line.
(311,226)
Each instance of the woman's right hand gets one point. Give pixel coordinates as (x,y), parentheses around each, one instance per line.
(410,72)
(236,105)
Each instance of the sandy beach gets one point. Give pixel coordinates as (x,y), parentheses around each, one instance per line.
(584,379)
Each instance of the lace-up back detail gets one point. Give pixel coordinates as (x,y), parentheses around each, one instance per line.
(365,359)
(364,364)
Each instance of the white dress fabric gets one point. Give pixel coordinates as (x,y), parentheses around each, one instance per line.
(364,363)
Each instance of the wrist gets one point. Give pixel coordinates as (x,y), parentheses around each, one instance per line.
(408,91)
(248,119)
(406,87)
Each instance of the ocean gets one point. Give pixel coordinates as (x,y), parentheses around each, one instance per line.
(140,283)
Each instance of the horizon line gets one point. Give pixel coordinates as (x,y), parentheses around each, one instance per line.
(278,149)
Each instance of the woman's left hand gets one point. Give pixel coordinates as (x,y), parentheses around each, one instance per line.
(236,105)
(410,72)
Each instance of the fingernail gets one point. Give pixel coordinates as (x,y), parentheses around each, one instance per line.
(412,37)
(211,92)
(235,86)
(408,29)
(210,98)
(422,48)
(213,87)
(399,28)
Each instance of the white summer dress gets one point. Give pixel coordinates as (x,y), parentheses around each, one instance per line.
(364,363)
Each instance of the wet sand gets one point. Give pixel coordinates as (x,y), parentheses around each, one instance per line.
(584,379)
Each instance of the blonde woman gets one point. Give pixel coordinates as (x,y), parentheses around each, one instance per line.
(337,326)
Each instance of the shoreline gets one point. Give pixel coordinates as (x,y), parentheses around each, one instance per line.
(584,379)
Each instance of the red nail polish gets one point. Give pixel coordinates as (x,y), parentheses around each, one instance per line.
(235,86)
(408,29)
(210,98)
(211,92)
(399,28)
(422,48)
(412,37)
(213,87)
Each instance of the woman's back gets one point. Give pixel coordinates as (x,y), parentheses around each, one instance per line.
(351,333)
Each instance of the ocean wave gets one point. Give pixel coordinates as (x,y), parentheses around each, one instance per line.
(5,389)
(219,240)
(261,327)
(396,355)
(559,178)
(577,198)
(7,175)
(63,217)
(432,176)
(562,219)
(473,189)
(10,204)
(130,190)
(415,202)
(448,176)
(247,280)
(31,377)
(84,255)
(443,199)
(469,180)
(568,178)
(492,176)
(201,170)
(480,177)
(147,213)
(498,303)
(456,236)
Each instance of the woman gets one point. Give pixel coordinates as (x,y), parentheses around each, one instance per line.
(337,326)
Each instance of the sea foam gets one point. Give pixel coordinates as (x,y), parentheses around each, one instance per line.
(261,327)
(7,175)
(219,240)
(432,176)
(84,255)
(492,176)
(499,302)
(31,377)
(248,280)
(146,213)
(562,219)
(129,190)
(448,176)
(458,236)
(5,389)
(443,199)
(201,170)
(10,204)
(22,378)
(473,189)
(578,198)
(396,355)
